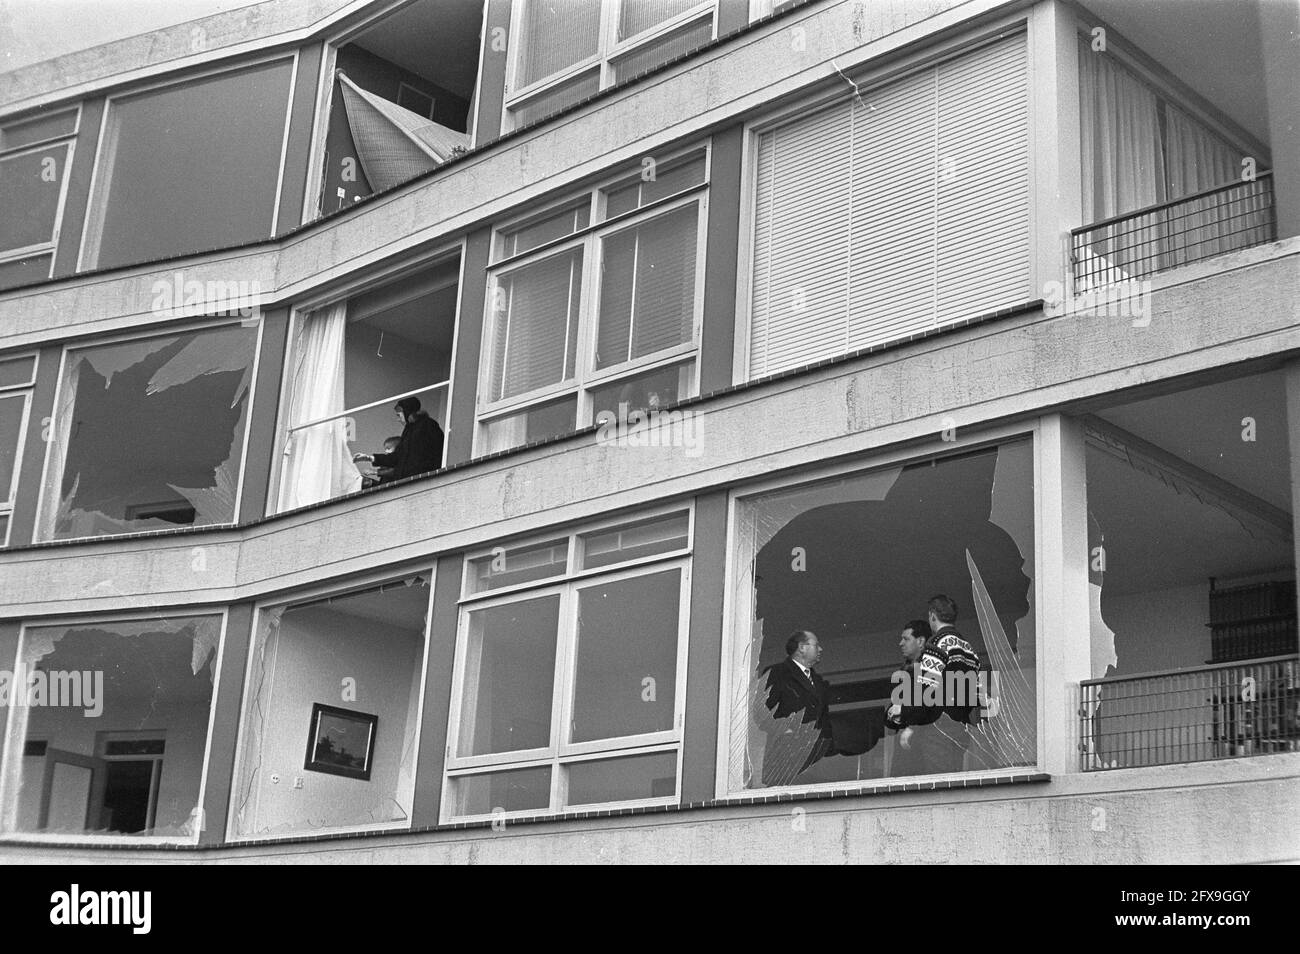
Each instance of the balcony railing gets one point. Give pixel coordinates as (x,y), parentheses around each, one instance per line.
(1194,715)
(1160,237)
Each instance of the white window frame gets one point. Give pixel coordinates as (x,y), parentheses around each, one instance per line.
(591,239)
(934,448)
(558,753)
(163,331)
(25,391)
(609,50)
(359,283)
(101,186)
(9,774)
(68,140)
(315,594)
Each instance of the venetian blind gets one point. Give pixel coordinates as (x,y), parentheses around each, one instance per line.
(882,217)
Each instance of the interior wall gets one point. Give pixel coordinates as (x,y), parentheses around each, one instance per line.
(1158,630)
(183,723)
(317,649)
(378,368)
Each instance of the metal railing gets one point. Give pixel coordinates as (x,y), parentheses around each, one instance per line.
(1132,246)
(1221,711)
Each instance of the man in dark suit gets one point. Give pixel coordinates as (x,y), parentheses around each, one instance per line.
(794,713)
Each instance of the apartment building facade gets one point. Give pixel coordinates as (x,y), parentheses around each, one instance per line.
(739,319)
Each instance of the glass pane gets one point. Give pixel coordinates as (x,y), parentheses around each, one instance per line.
(152,434)
(509,675)
(643,392)
(372,642)
(563,96)
(25,271)
(4,529)
(636,16)
(12,409)
(548,229)
(626,680)
(647,297)
(210,147)
(557,34)
(147,683)
(659,52)
(623,780)
(629,542)
(667,181)
(24,132)
(538,423)
(30,185)
(960,525)
(514,791)
(17,371)
(536,315)
(508,567)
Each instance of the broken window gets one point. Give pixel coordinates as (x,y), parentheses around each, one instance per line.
(34,154)
(853,560)
(351,362)
(189,167)
(341,678)
(567,50)
(401,99)
(148,434)
(108,731)
(591,322)
(1191,565)
(17,376)
(569,684)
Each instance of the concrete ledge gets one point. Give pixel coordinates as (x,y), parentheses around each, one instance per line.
(1234,811)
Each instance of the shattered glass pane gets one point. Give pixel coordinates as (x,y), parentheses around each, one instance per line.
(151,433)
(361,652)
(853,560)
(119,713)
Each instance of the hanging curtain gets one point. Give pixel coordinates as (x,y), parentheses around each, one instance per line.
(317,462)
(1123,168)
(394,144)
(1199,160)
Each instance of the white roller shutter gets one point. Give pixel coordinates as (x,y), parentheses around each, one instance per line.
(877,219)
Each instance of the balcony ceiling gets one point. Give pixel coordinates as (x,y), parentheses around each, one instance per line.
(436,39)
(1213,46)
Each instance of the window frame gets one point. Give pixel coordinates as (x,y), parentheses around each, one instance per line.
(867,78)
(27,392)
(207,770)
(359,283)
(558,753)
(100,189)
(930,450)
(140,335)
(591,240)
(603,63)
(304,597)
(70,141)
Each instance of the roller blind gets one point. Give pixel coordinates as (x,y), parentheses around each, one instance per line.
(879,218)
(535,336)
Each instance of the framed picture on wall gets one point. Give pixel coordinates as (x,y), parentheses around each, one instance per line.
(341,742)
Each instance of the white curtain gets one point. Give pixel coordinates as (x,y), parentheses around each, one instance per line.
(317,460)
(1199,160)
(1123,168)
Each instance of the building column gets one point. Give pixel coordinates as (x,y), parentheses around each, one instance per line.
(226,720)
(1279,23)
(1054,134)
(1292,372)
(431,756)
(1063,624)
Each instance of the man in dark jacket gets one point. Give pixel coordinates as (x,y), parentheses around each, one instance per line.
(419,450)
(794,712)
